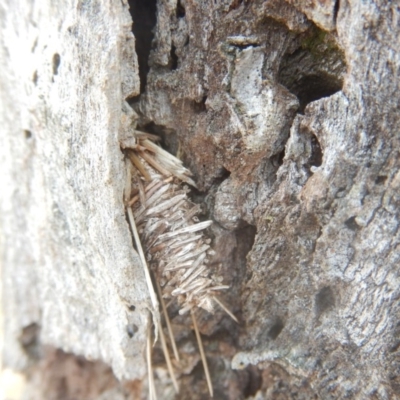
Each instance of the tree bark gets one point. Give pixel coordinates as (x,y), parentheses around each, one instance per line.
(286,112)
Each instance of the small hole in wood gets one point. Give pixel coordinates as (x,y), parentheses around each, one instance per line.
(27,134)
(173,59)
(180,10)
(144,16)
(131,330)
(381,179)
(351,223)
(324,300)
(276,329)
(316,152)
(56,63)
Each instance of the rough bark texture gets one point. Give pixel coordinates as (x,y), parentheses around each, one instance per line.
(70,274)
(287,113)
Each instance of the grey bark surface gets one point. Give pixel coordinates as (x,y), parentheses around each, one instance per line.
(68,266)
(287,113)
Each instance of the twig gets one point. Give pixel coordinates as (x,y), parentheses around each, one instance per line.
(202,354)
(225,308)
(167,321)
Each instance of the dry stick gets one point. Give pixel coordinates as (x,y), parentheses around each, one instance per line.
(152,393)
(152,387)
(139,165)
(155,164)
(225,308)
(153,296)
(132,223)
(167,321)
(202,354)
(168,359)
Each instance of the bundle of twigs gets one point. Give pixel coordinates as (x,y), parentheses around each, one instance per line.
(169,236)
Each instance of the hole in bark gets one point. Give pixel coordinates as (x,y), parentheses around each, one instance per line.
(315,69)
(222,175)
(246,236)
(381,179)
(235,4)
(143,13)
(29,340)
(395,347)
(132,308)
(246,46)
(254,381)
(180,10)
(324,300)
(316,152)
(169,138)
(351,223)
(277,159)
(173,58)
(56,63)
(336,10)
(65,376)
(276,329)
(29,334)
(199,107)
(131,330)
(314,87)
(27,134)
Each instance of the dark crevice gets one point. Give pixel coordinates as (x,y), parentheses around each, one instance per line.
(336,11)
(29,340)
(254,381)
(395,347)
(352,224)
(316,87)
(324,300)
(131,330)
(246,46)
(235,4)
(169,138)
(199,107)
(27,134)
(144,16)
(173,59)
(315,69)
(222,175)
(313,87)
(246,234)
(316,152)
(276,329)
(277,159)
(180,10)
(35,78)
(245,237)
(56,63)
(381,179)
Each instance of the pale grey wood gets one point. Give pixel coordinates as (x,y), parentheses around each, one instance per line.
(70,275)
